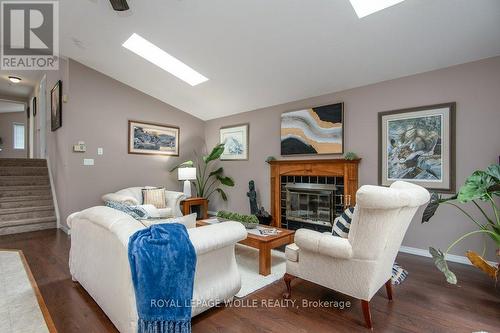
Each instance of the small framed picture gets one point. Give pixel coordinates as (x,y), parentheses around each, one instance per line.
(418,145)
(153,139)
(55,106)
(236,141)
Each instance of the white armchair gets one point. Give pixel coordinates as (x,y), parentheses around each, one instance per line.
(133,196)
(359,265)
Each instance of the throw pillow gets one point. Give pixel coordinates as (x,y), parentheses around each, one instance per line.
(189,221)
(341,227)
(135,211)
(342,224)
(155,197)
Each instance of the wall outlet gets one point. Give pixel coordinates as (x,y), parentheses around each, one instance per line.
(100,151)
(88,161)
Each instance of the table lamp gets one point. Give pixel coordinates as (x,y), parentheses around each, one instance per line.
(187,175)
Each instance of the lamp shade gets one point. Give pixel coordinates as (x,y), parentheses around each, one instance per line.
(186,173)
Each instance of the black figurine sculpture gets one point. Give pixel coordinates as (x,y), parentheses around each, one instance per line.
(252,197)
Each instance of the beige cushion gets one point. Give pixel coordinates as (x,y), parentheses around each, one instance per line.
(292,252)
(155,197)
(189,221)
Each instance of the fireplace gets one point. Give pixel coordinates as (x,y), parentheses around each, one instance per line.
(310,203)
(311,193)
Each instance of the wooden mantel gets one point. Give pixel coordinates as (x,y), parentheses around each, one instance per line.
(348,169)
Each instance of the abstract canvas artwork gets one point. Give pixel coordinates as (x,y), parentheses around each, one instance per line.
(318,130)
(235,139)
(417,146)
(153,139)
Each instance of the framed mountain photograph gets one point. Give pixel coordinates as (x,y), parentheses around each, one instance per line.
(153,139)
(236,139)
(418,145)
(314,131)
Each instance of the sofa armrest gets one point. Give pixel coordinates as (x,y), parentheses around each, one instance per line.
(174,201)
(216,236)
(124,199)
(325,244)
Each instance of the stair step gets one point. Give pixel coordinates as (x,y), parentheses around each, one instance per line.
(24,180)
(12,214)
(22,162)
(11,223)
(26,203)
(26,198)
(23,171)
(16,191)
(28,225)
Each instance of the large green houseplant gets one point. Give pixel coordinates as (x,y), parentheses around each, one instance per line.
(482,185)
(209,180)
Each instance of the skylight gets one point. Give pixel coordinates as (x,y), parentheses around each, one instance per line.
(162,59)
(366,7)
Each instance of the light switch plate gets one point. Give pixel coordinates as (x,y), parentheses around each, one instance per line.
(100,151)
(88,161)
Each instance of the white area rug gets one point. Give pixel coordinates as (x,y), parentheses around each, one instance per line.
(19,307)
(248,263)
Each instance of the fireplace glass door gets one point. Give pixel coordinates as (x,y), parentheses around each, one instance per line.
(310,203)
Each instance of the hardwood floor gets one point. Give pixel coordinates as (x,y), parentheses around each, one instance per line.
(424,303)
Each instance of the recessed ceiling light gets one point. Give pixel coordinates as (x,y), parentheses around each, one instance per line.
(162,59)
(367,7)
(14,79)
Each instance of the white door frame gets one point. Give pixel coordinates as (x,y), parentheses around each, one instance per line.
(42,117)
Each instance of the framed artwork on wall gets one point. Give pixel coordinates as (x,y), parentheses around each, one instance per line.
(315,131)
(153,139)
(56,106)
(418,145)
(34,106)
(235,138)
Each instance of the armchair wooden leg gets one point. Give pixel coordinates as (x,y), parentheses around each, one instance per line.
(365,305)
(388,288)
(288,280)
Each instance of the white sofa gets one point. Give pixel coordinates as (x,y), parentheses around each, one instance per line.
(133,196)
(99,262)
(359,265)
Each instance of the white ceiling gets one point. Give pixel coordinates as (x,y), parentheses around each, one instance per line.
(8,106)
(258,53)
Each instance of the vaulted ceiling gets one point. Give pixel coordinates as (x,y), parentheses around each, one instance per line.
(258,53)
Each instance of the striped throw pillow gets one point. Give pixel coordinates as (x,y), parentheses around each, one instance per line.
(341,227)
(342,224)
(155,197)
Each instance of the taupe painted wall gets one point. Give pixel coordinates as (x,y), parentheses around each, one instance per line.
(7,120)
(474,86)
(97,112)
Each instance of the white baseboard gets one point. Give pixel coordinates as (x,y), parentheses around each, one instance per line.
(65,229)
(449,257)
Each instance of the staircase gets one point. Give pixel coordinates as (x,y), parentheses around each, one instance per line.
(25,196)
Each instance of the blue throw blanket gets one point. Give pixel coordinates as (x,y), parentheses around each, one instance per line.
(162,262)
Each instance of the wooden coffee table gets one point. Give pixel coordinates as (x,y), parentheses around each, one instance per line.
(264,244)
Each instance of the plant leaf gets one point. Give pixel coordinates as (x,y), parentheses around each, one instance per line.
(475,187)
(183,165)
(226,181)
(214,154)
(222,194)
(494,171)
(219,171)
(431,207)
(482,264)
(441,264)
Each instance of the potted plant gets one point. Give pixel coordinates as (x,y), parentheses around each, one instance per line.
(249,221)
(208,179)
(482,185)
